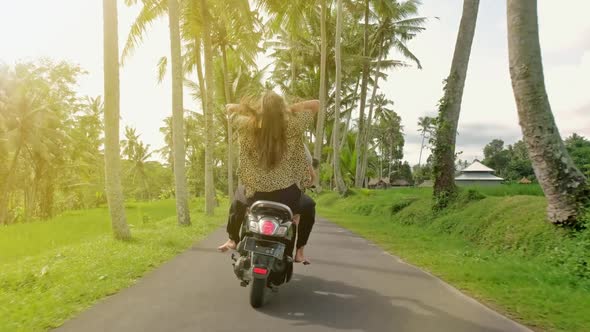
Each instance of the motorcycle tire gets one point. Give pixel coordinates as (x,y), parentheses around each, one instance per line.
(257,291)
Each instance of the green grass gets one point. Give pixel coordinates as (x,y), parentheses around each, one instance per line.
(52,270)
(510,189)
(28,239)
(498,249)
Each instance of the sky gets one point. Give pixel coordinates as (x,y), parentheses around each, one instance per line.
(72,30)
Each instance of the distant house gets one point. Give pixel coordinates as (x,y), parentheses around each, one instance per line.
(477,174)
(400,183)
(382,183)
(525,181)
(426,184)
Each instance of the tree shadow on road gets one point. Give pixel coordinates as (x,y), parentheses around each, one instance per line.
(311,301)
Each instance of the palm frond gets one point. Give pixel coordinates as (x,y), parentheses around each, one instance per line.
(162,67)
(151,11)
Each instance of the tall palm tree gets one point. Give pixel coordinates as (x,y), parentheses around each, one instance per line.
(425,128)
(565,187)
(111,119)
(235,28)
(394,29)
(130,142)
(450,108)
(151,11)
(319,134)
(289,17)
(340,185)
(209,185)
(181,191)
(359,177)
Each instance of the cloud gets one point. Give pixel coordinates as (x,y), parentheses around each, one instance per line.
(564,27)
(478,135)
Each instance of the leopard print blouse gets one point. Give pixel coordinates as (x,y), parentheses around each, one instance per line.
(293,167)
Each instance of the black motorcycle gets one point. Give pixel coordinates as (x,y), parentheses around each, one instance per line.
(265,250)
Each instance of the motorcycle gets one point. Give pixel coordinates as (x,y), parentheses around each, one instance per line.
(265,250)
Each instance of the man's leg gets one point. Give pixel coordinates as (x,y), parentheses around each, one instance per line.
(307,208)
(237,212)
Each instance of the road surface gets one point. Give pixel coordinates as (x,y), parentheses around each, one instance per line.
(351,285)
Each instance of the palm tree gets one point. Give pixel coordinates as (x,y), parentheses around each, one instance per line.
(389,132)
(140,158)
(425,128)
(340,185)
(181,193)
(111,119)
(450,108)
(565,187)
(209,185)
(289,17)
(130,142)
(234,29)
(359,177)
(319,134)
(151,11)
(24,120)
(394,30)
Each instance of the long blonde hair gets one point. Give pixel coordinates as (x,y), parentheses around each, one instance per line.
(269,133)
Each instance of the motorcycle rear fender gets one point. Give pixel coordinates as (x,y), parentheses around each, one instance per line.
(262,261)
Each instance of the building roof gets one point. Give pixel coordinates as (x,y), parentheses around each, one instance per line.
(476,166)
(427,183)
(478,177)
(400,183)
(376,181)
(525,181)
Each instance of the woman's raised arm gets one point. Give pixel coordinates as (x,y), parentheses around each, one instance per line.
(308,105)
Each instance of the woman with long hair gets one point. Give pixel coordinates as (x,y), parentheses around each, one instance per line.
(272,160)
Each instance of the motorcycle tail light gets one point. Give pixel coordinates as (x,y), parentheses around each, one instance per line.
(268,227)
(260,270)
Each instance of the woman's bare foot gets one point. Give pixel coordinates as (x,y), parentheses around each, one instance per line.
(229,244)
(300,257)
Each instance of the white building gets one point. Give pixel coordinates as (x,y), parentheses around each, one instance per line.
(477,174)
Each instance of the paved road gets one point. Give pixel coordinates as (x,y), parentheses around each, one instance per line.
(352,285)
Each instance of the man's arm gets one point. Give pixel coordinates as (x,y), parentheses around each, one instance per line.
(308,105)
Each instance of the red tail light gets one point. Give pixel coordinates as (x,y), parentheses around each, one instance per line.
(268,227)
(260,270)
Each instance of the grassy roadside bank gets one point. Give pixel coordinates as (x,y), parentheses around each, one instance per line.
(497,248)
(49,271)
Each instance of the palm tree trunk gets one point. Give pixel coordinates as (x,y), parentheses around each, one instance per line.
(421,148)
(345,130)
(293,66)
(199,65)
(6,186)
(359,177)
(111,122)
(371,108)
(340,186)
(564,185)
(209,186)
(347,126)
(319,134)
(228,99)
(450,108)
(182,210)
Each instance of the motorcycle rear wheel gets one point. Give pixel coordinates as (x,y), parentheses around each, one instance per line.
(257,291)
